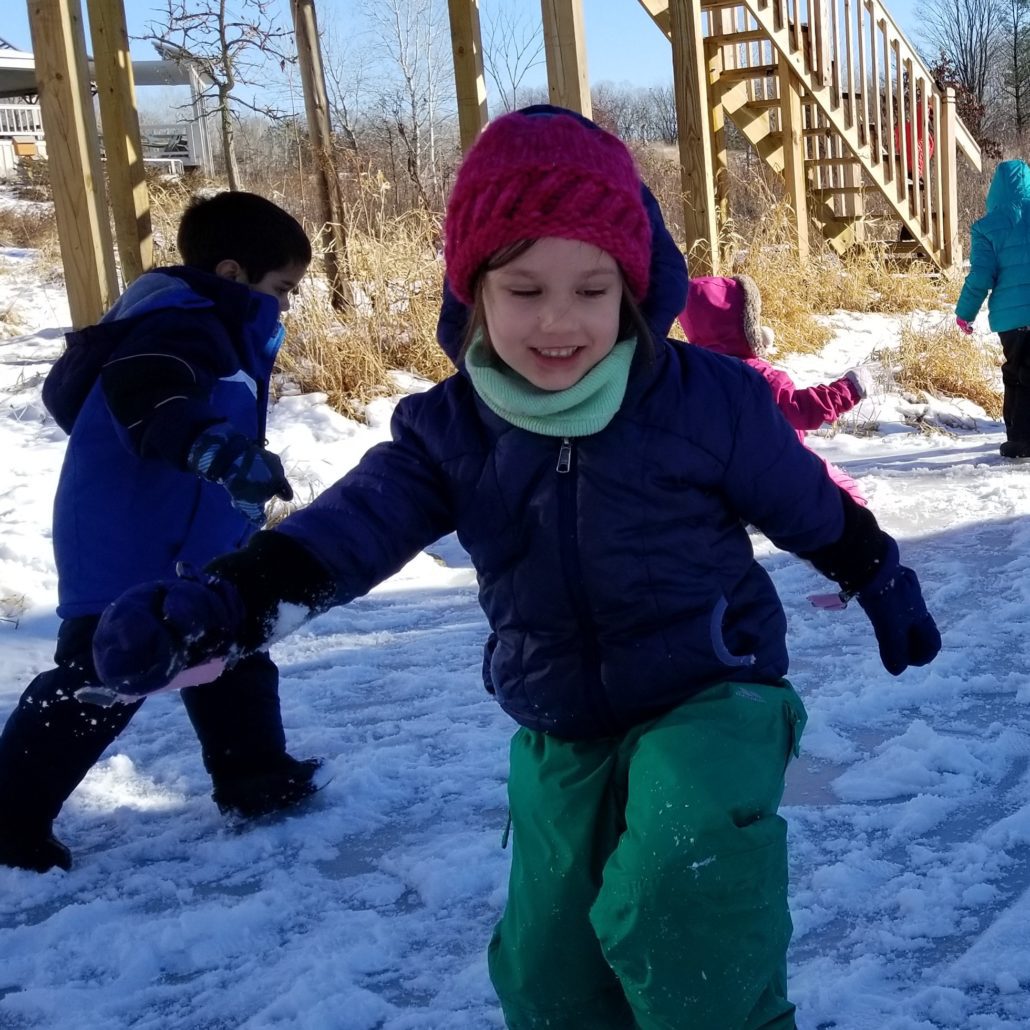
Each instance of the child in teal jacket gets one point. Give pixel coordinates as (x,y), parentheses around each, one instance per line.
(999,270)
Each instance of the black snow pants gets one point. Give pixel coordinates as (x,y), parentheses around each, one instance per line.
(1015,376)
(51,739)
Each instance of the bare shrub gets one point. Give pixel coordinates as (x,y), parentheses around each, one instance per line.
(26,225)
(169,197)
(33,181)
(33,226)
(397,281)
(866,278)
(936,359)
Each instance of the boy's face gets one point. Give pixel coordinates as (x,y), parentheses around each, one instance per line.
(281,283)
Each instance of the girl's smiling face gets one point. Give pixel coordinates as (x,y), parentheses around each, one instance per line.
(553,312)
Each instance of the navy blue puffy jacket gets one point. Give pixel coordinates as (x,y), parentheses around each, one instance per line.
(623,586)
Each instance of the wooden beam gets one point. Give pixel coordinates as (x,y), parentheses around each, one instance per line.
(320,133)
(568,84)
(951,249)
(126,175)
(720,60)
(794,154)
(469,81)
(693,120)
(659,12)
(62,78)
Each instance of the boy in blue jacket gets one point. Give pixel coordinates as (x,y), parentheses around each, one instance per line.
(164,401)
(601,478)
(999,270)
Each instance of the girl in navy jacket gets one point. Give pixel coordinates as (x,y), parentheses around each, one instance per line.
(601,480)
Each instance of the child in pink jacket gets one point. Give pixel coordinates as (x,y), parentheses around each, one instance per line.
(723,314)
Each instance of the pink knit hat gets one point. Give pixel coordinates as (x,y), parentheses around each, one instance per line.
(534,175)
(723,314)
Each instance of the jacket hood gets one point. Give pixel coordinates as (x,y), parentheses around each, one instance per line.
(723,314)
(182,287)
(666,292)
(1010,187)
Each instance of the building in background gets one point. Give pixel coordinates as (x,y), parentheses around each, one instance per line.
(171,148)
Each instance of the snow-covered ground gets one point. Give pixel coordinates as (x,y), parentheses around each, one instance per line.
(909,809)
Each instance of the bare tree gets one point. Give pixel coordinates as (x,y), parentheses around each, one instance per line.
(1015,49)
(411,37)
(968,33)
(614,108)
(661,108)
(513,46)
(346,60)
(229,44)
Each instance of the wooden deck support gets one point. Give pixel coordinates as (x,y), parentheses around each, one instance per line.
(62,77)
(126,173)
(694,123)
(469,81)
(720,61)
(568,84)
(949,185)
(794,154)
(316,106)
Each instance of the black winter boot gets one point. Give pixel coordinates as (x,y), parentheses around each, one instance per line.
(1015,449)
(37,850)
(261,792)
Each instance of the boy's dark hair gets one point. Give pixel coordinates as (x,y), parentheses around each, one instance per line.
(241,227)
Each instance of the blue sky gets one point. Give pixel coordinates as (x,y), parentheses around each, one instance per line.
(623,44)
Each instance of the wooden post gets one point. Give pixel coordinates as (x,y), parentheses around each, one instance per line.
(793,153)
(720,57)
(565,50)
(947,155)
(693,120)
(62,78)
(316,106)
(126,175)
(469,81)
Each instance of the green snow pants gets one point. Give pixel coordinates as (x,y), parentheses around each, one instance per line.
(648,883)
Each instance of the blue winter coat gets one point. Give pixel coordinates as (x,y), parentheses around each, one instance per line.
(188,350)
(622,586)
(999,255)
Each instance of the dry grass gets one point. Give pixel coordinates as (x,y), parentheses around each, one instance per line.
(169,197)
(937,360)
(397,282)
(12,322)
(760,240)
(33,226)
(12,607)
(868,278)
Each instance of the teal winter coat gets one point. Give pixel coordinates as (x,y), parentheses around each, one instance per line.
(999,257)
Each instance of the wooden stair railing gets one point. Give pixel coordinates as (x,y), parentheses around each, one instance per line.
(872,116)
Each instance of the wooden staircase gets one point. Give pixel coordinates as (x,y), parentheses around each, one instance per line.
(836,101)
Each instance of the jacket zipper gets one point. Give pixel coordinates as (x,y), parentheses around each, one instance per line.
(565,456)
(573,571)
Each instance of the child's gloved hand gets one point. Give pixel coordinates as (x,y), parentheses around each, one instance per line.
(862,380)
(964,326)
(154,631)
(251,474)
(904,629)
